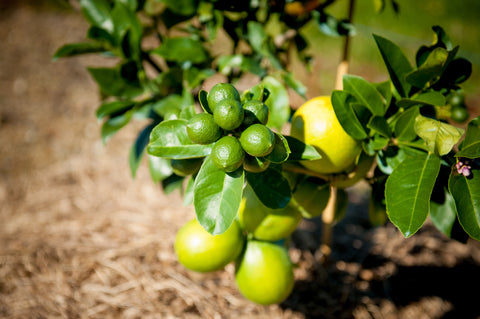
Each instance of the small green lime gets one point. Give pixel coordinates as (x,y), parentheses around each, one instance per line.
(255,112)
(257,140)
(459,113)
(185,167)
(255,164)
(228,114)
(202,129)
(455,98)
(227,153)
(220,92)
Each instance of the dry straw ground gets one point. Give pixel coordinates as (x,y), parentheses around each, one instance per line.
(80,239)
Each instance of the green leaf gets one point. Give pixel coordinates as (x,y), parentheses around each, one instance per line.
(171,183)
(466,193)
(301,151)
(171,106)
(365,93)
(189,192)
(440,137)
(444,215)
(278,102)
(182,49)
(408,190)
(376,143)
(73,49)
(429,98)
(114,124)
(169,139)
(379,124)
(182,7)
(470,147)
(405,125)
(127,30)
(271,187)
(227,63)
(389,159)
(385,90)
(159,168)
(297,86)
(138,148)
(112,83)
(113,108)
(202,98)
(397,64)
(194,76)
(217,196)
(281,150)
(430,70)
(97,12)
(346,115)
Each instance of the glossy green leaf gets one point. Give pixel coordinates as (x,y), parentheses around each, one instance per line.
(440,137)
(430,70)
(114,124)
(112,83)
(97,12)
(374,144)
(278,102)
(379,124)
(443,215)
(408,190)
(189,192)
(169,139)
(365,93)
(271,187)
(182,49)
(73,49)
(405,125)
(397,64)
(217,196)
(346,115)
(159,168)
(470,146)
(389,159)
(202,98)
(138,148)
(466,193)
(281,150)
(113,108)
(429,98)
(294,84)
(301,151)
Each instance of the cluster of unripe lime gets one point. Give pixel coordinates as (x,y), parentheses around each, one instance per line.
(238,130)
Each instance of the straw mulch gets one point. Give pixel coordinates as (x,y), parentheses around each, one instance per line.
(79,238)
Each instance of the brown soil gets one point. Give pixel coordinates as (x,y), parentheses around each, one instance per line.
(79,238)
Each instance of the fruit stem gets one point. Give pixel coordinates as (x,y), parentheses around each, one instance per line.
(328,217)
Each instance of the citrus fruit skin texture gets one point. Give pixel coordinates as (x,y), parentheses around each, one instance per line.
(227,154)
(264,273)
(185,167)
(266,223)
(202,129)
(315,123)
(201,251)
(228,114)
(219,92)
(257,140)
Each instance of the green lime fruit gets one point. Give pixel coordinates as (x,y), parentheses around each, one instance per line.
(202,129)
(227,153)
(459,113)
(455,98)
(264,274)
(257,140)
(228,114)
(198,250)
(185,167)
(312,197)
(255,164)
(255,112)
(220,92)
(266,223)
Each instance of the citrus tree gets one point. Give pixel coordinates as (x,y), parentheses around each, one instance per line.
(251,165)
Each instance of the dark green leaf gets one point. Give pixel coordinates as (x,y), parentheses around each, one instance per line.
(97,12)
(169,139)
(458,71)
(172,183)
(440,137)
(138,148)
(112,83)
(181,50)
(271,187)
(365,93)
(127,30)
(78,48)
(114,124)
(281,150)
(346,115)
(429,98)
(159,168)
(470,147)
(301,151)
(182,7)
(444,214)
(408,191)
(385,90)
(430,70)
(113,108)
(101,35)
(397,64)
(278,102)
(217,197)
(202,97)
(390,158)
(405,125)
(466,193)
(379,124)
(374,144)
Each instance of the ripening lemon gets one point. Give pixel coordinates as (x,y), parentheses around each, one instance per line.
(315,123)
(266,223)
(198,250)
(264,273)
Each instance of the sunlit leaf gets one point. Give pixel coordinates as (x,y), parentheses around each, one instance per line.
(440,137)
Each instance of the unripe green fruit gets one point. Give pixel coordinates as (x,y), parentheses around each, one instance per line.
(228,114)
(227,154)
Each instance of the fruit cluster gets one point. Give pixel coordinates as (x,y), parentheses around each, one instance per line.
(238,129)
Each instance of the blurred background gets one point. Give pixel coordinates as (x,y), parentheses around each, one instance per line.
(79,238)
